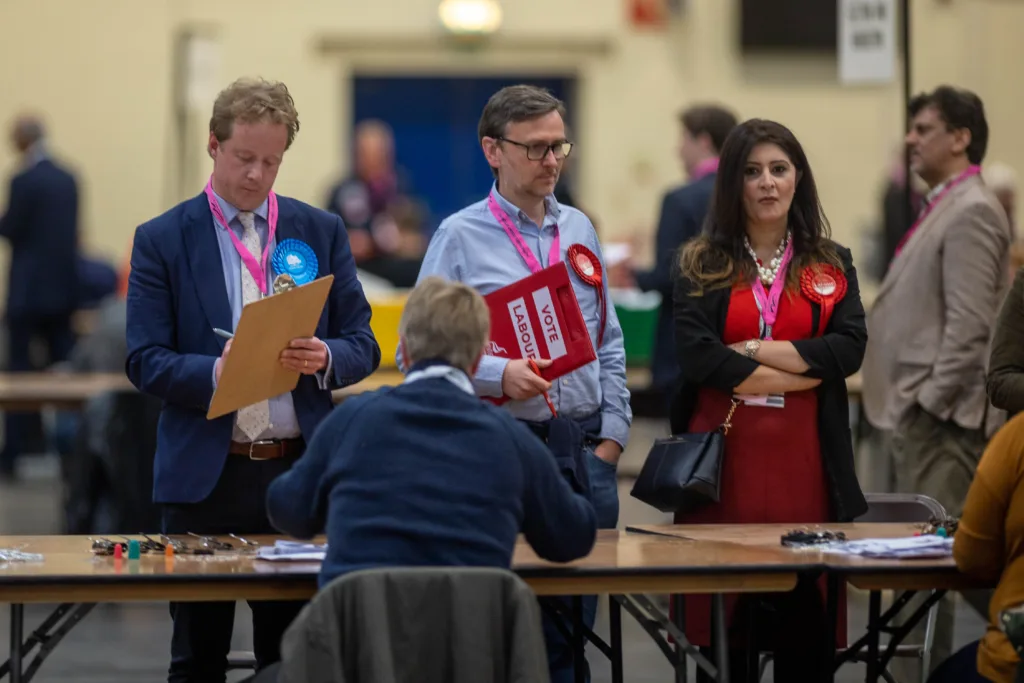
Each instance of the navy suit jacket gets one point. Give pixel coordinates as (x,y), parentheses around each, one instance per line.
(682,218)
(41,225)
(176,296)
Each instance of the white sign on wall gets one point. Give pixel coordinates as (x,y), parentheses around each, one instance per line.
(867,41)
(202,71)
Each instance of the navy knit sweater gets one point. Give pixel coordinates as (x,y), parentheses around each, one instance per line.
(427,474)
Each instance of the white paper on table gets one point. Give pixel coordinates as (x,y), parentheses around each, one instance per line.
(913,547)
(292,551)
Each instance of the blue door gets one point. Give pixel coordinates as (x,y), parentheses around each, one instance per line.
(435,120)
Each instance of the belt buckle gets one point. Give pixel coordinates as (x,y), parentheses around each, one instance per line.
(253,444)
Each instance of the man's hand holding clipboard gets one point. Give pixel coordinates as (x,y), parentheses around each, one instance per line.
(273,345)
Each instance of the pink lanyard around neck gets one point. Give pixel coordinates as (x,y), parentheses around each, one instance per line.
(972,170)
(768,302)
(554,255)
(258,270)
(704,168)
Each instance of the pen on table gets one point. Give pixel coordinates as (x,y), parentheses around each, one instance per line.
(223,333)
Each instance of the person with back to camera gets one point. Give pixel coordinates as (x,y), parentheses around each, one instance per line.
(768,319)
(397,476)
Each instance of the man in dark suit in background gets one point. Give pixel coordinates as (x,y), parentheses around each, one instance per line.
(41,226)
(193,269)
(705,128)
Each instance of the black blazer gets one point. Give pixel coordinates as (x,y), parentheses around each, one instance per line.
(41,225)
(705,361)
(682,216)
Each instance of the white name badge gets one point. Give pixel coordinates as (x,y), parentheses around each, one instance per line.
(763,400)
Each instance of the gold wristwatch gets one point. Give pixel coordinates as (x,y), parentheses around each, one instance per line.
(751,348)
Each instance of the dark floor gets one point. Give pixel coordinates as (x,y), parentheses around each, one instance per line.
(122,643)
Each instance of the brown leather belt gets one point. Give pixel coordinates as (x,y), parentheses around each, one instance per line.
(269,450)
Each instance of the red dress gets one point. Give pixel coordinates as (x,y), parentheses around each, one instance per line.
(772,471)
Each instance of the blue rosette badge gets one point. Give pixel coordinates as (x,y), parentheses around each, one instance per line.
(295,259)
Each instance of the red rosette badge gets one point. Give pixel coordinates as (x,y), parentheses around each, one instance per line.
(587,266)
(825,285)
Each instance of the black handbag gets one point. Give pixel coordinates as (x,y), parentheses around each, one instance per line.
(683,472)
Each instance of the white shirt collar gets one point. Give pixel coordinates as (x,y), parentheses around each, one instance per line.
(452,374)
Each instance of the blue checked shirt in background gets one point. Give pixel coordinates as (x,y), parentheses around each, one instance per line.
(471,247)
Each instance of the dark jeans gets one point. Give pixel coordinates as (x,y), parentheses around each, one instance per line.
(604,489)
(202,630)
(961,667)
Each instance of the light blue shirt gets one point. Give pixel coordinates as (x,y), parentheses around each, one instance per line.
(471,247)
(284,424)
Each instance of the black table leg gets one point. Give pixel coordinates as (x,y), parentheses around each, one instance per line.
(831,625)
(17,627)
(752,646)
(719,635)
(874,616)
(615,635)
(579,655)
(679,619)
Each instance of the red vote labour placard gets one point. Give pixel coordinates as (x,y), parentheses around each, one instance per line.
(539,317)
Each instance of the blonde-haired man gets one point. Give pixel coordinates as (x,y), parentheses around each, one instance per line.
(426,473)
(192,270)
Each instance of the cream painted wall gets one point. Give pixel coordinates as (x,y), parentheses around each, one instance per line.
(101,72)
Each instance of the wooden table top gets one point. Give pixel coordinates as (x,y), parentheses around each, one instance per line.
(644,559)
(33,390)
(864,572)
(620,562)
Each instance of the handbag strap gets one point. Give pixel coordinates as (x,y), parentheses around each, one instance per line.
(727,424)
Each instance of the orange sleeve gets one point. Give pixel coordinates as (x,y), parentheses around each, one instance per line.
(126,269)
(980,540)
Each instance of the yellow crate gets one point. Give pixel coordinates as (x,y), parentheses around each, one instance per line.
(387,312)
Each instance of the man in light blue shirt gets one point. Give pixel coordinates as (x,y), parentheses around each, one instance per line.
(522,134)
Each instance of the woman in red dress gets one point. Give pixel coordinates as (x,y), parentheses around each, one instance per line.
(768,315)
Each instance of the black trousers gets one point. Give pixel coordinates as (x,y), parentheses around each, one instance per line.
(201,638)
(56,334)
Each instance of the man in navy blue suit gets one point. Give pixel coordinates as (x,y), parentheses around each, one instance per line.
(192,270)
(705,128)
(41,225)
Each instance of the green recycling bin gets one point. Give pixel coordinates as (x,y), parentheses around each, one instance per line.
(638,314)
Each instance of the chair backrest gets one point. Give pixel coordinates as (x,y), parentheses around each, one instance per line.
(418,625)
(901,507)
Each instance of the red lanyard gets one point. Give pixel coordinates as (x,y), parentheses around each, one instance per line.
(258,270)
(969,172)
(768,302)
(554,255)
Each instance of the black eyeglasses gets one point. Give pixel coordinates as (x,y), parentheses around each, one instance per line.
(538,151)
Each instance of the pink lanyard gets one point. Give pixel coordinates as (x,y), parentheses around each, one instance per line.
(768,302)
(704,168)
(554,256)
(969,172)
(258,270)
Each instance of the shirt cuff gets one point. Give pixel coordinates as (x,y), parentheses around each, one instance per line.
(614,428)
(487,380)
(323,376)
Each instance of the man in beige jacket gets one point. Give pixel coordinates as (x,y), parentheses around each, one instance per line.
(929,327)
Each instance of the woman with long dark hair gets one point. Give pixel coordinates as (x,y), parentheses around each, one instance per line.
(768,320)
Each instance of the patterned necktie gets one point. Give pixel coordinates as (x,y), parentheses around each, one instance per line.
(255,419)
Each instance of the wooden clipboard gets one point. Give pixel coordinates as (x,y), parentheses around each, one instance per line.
(252,371)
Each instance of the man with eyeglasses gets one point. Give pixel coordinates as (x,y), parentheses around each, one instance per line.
(516,230)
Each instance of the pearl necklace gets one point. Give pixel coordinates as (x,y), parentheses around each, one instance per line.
(768,275)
